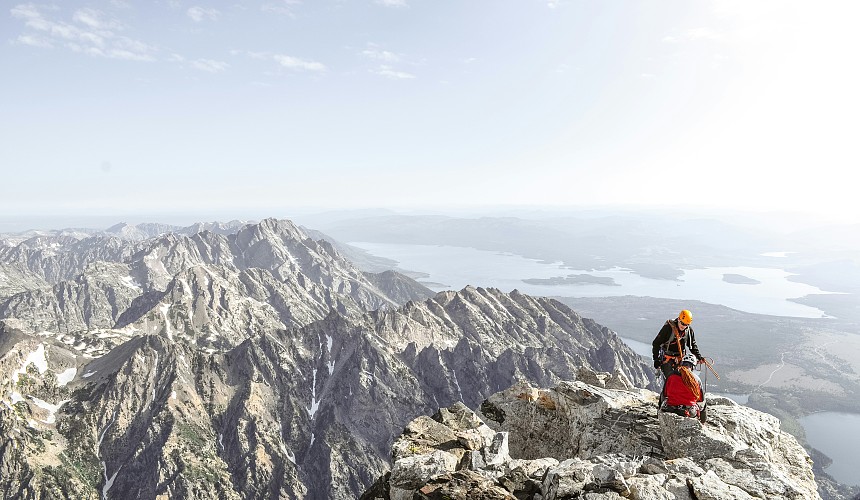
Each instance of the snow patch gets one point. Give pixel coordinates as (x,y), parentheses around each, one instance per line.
(167,328)
(154,381)
(457,383)
(315,404)
(131,283)
(66,377)
(89,374)
(102,435)
(52,409)
(173,395)
(108,480)
(36,357)
(328,347)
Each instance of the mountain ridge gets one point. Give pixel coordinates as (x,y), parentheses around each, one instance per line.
(256,363)
(319,403)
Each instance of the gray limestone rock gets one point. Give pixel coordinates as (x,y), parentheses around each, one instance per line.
(596,452)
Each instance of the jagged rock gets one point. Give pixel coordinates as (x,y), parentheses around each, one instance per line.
(213,289)
(611,443)
(93,300)
(246,366)
(311,412)
(461,485)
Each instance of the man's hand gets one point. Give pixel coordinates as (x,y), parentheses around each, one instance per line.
(657,363)
(701,360)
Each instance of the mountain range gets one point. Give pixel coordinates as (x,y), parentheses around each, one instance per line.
(246,360)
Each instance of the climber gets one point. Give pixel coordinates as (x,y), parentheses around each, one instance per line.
(683,390)
(675,339)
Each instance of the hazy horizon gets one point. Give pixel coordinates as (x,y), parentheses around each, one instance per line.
(773,220)
(171,106)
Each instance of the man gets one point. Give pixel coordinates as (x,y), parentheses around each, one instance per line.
(675,339)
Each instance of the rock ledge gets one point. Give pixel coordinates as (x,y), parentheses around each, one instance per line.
(586,441)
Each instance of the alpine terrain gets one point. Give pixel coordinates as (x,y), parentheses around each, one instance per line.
(247,360)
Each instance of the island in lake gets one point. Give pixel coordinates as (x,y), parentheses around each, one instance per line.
(740,279)
(573,279)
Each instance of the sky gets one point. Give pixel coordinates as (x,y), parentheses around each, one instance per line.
(115,107)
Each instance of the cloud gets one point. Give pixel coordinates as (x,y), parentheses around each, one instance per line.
(95,20)
(387,61)
(209,65)
(388,72)
(290,62)
(90,32)
(284,7)
(34,41)
(392,3)
(199,14)
(380,55)
(295,63)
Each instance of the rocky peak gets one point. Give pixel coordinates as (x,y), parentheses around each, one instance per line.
(603,441)
(223,228)
(214,290)
(141,231)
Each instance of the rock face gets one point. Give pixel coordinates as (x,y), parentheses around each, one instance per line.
(306,412)
(603,441)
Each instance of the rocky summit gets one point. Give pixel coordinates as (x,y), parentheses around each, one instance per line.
(597,440)
(249,361)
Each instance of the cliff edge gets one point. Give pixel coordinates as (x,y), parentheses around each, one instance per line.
(598,440)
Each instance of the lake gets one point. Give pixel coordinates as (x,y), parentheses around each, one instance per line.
(836,435)
(640,348)
(449,267)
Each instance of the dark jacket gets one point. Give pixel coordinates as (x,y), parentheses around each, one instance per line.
(666,340)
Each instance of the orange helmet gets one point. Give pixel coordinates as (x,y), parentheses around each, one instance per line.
(685,316)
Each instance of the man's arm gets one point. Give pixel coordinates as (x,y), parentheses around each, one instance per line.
(693,347)
(659,340)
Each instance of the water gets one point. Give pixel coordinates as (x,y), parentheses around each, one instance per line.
(640,348)
(835,434)
(737,398)
(455,267)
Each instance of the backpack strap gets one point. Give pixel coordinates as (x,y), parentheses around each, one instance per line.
(677,335)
